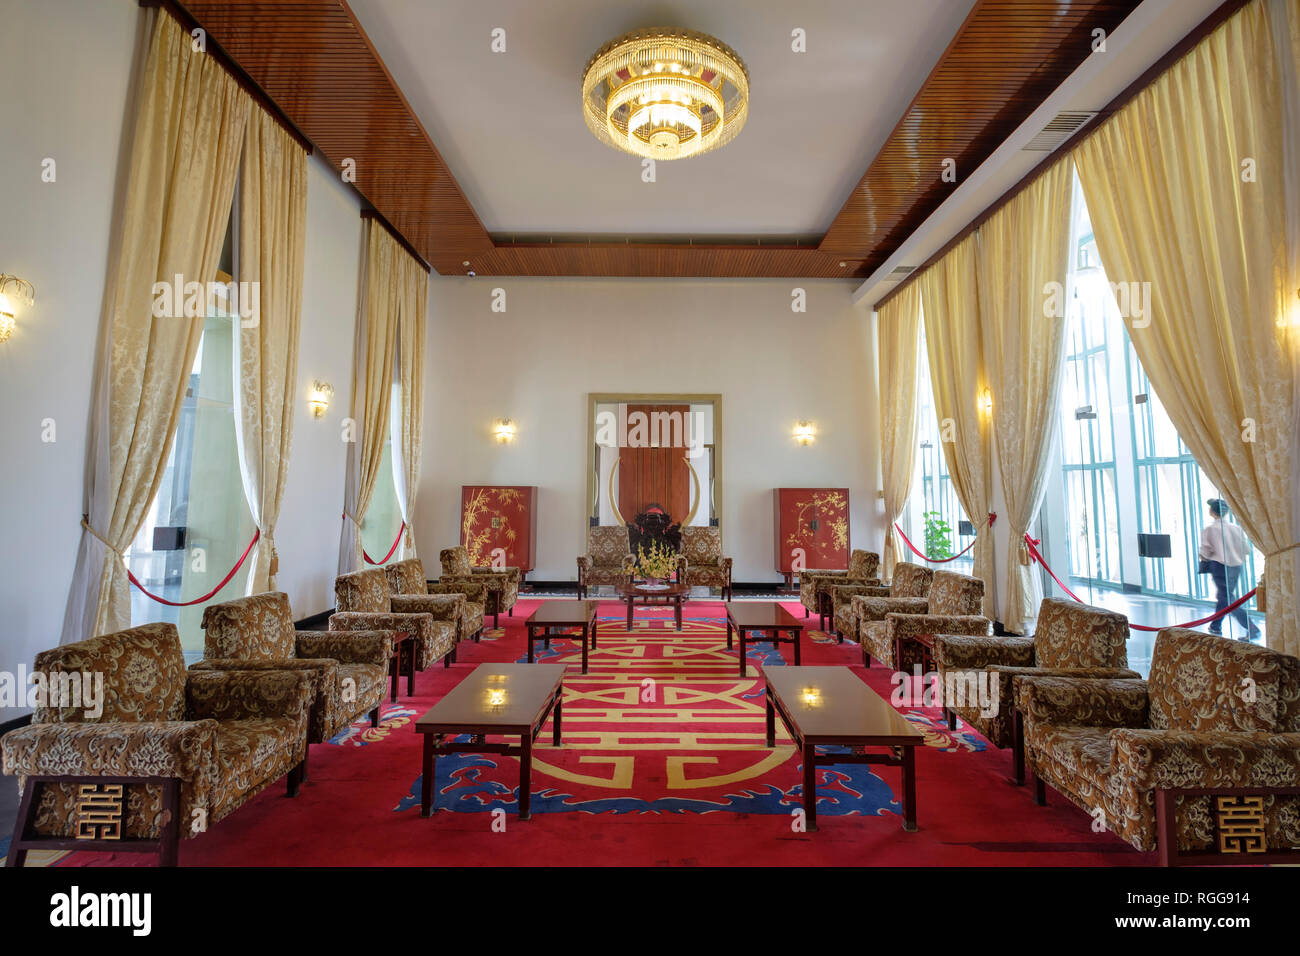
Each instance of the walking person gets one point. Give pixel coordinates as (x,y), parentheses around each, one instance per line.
(1223,552)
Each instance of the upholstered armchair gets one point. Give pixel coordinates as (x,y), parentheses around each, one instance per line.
(1201,760)
(347,671)
(463,604)
(608,559)
(161,755)
(815,586)
(705,564)
(1069,640)
(502,586)
(364,602)
(894,630)
(910,581)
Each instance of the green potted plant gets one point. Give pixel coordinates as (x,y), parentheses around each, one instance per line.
(938,535)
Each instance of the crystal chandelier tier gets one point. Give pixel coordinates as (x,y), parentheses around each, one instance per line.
(665,93)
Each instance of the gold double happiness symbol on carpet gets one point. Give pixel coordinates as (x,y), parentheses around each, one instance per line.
(698,711)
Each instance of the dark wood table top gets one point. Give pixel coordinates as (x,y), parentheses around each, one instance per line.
(574,613)
(500,698)
(833,705)
(674,588)
(759,614)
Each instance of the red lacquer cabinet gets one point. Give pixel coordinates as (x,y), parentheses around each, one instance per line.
(812,529)
(499,516)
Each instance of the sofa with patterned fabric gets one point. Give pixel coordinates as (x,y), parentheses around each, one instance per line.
(889,625)
(464,603)
(705,564)
(815,586)
(608,559)
(910,581)
(1214,714)
(1069,640)
(502,585)
(364,602)
(347,671)
(208,740)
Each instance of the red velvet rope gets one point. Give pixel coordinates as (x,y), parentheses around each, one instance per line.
(926,557)
(1035,554)
(211,594)
(396,541)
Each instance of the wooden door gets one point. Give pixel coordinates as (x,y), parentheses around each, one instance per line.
(652,466)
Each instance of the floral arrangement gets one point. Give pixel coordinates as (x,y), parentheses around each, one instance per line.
(656,563)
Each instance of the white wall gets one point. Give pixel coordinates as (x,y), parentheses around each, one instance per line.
(64,72)
(560,339)
(65,69)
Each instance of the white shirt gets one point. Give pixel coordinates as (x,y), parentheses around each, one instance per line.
(1223,542)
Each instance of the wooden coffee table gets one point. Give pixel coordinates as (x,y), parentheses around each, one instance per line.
(675,594)
(832,706)
(553,614)
(767,617)
(500,699)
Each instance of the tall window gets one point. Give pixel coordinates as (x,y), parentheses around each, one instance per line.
(383,517)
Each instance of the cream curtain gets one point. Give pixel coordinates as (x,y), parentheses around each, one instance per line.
(407,425)
(372,382)
(184,160)
(898,333)
(272,224)
(1187,186)
(1023,260)
(950,301)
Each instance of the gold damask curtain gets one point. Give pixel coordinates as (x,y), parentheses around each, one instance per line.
(950,302)
(1023,259)
(898,333)
(407,428)
(1192,188)
(189,130)
(372,381)
(272,229)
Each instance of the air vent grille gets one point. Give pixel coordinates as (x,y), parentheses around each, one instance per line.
(1056,132)
(900,271)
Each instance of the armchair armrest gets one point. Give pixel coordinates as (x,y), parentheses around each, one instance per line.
(876,608)
(419,625)
(969,652)
(682,565)
(245,695)
(914,625)
(629,563)
(475,591)
(1105,702)
(1173,759)
(157,748)
(507,572)
(842,594)
(347,647)
(441,607)
(584,563)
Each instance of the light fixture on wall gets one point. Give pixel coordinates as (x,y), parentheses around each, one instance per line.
(805,433)
(665,93)
(21,289)
(504,429)
(986,400)
(318,399)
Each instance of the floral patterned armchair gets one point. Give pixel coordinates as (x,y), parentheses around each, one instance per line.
(910,581)
(347,671)
(815,586)
(705,564)
(365,602)
(463,604)
(502,586)
(888,626)
(1069,640)
(199,743)
(608,559)
(1155,756)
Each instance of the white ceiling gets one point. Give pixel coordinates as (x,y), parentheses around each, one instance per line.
(510,124)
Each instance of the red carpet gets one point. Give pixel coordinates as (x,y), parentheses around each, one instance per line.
(673,771)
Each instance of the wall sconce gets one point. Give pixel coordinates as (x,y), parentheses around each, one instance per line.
(318,399)
(986,400)
(805,433)
(24,290)
(504,429)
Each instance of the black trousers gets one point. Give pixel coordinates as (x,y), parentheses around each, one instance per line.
(1226,578)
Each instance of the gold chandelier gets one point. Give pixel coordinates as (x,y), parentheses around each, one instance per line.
(665,93)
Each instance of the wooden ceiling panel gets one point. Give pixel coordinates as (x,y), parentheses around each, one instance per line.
(314,61)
